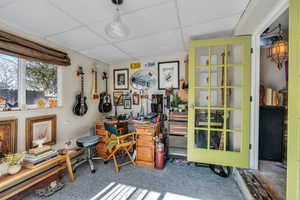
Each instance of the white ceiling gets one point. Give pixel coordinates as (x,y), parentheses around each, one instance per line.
(157,27)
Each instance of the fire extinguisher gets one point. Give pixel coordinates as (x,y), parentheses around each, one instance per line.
(160,156)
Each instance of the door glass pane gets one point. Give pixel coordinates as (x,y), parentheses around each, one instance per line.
(234,97)
(216,140)
(201,77)
(202,56)
(217,76)
(201,139)
(235,54)
(201,118)
(217,55)
(234,119)
(201,97)
(233,142)
(234,76)
(217,99)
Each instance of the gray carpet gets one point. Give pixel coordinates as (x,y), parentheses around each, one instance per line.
(177,181)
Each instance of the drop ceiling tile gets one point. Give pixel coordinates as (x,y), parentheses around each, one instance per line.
(144,22)
(95,10)
(78,39)
(6,2)
(196,11)
(205,29)
(108,54)
(36,16)
(155,45)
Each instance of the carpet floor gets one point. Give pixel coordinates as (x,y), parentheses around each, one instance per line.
(178,181)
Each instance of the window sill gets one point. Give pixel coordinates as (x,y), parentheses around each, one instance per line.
(30,109)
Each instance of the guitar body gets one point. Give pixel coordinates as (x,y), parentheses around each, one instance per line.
(105,104)
(80,108)
(182,92)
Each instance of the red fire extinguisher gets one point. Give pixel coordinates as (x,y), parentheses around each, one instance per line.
(160,156)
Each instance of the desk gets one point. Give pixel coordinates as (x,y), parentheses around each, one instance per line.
(145,143)
(11,185)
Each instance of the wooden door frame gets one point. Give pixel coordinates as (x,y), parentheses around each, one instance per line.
(279,9)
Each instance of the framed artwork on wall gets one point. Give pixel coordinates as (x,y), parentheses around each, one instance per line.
(118,96)
(135,98)
(121,79)
(40,130)
(127,103)
(168,75)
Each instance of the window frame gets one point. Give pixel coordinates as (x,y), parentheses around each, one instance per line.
(22,105)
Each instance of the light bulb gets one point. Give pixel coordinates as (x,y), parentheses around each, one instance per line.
(117,29)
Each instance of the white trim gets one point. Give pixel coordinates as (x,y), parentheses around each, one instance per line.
(279,9)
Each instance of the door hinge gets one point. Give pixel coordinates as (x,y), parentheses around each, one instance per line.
(250,146)
(251,98)
(251,50)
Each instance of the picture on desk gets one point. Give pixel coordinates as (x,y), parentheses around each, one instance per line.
(118,99)
(121,79)
(40,130)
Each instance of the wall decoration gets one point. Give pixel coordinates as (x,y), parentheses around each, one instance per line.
(8,136)
(39,130)
(136,65)
(135,98)
(143,79)
(168,75)
(127,103)
(149,64)
(118,96)
(121,79)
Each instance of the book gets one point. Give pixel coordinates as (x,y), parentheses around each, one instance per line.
(34,159)
(39,150)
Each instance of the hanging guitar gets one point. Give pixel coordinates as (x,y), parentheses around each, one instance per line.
(80,108)
(95,92)
(105,104)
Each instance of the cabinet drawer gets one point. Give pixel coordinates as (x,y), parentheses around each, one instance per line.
(145,140)
(146,131)
(177,141)
(101,132)
(145,153)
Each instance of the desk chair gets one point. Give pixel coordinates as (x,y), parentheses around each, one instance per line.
(88,142)
(119,145)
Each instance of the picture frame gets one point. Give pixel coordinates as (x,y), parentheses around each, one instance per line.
(127,103)
(135,98)
(121,79)
(41,127)
(116,96)
(168,75)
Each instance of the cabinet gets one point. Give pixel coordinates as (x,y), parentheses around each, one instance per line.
(146,145)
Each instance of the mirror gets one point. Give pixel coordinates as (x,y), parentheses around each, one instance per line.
(143,80)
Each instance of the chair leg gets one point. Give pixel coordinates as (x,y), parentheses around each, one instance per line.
(127,152)
(89,158)
(116,164)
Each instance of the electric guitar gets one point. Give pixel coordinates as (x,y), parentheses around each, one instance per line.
(80,108)
(105,104)
(95,92)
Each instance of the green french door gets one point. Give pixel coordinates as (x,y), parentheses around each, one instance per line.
(219,101)
(293,165)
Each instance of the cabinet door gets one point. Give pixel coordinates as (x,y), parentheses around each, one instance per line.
(145,153)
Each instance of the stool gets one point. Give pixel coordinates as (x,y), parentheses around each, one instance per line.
(88,142)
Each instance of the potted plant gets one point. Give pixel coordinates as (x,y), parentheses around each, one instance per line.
(14,162)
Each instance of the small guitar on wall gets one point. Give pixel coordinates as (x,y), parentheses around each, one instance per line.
(80,108)
(105,104)
(95,92)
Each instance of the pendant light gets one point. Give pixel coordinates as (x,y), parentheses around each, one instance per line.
(117,29)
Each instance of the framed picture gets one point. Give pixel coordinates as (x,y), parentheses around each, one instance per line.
(40,129)
(168,75)
(121,77)
(135,99)
(118,96)
(127,103)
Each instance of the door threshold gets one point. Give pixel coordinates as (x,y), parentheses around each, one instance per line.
(254,186)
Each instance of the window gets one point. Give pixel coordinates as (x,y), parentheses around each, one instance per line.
(23,82)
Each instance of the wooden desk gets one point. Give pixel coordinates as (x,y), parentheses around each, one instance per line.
(11,185)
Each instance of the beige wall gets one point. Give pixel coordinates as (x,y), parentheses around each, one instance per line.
(69,126)
(136,108)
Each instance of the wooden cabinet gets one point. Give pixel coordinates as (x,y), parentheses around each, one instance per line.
(146,145)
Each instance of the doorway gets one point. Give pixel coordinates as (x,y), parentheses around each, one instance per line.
(273,109)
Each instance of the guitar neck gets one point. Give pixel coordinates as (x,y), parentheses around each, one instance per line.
(82,86)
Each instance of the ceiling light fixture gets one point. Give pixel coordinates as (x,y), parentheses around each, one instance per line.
(117,29)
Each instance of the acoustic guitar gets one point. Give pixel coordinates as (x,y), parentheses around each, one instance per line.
(105,104)
(80,108)
(182,91)
(95,92)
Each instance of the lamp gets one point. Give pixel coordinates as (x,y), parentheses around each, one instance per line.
(278,52)
(117,29)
